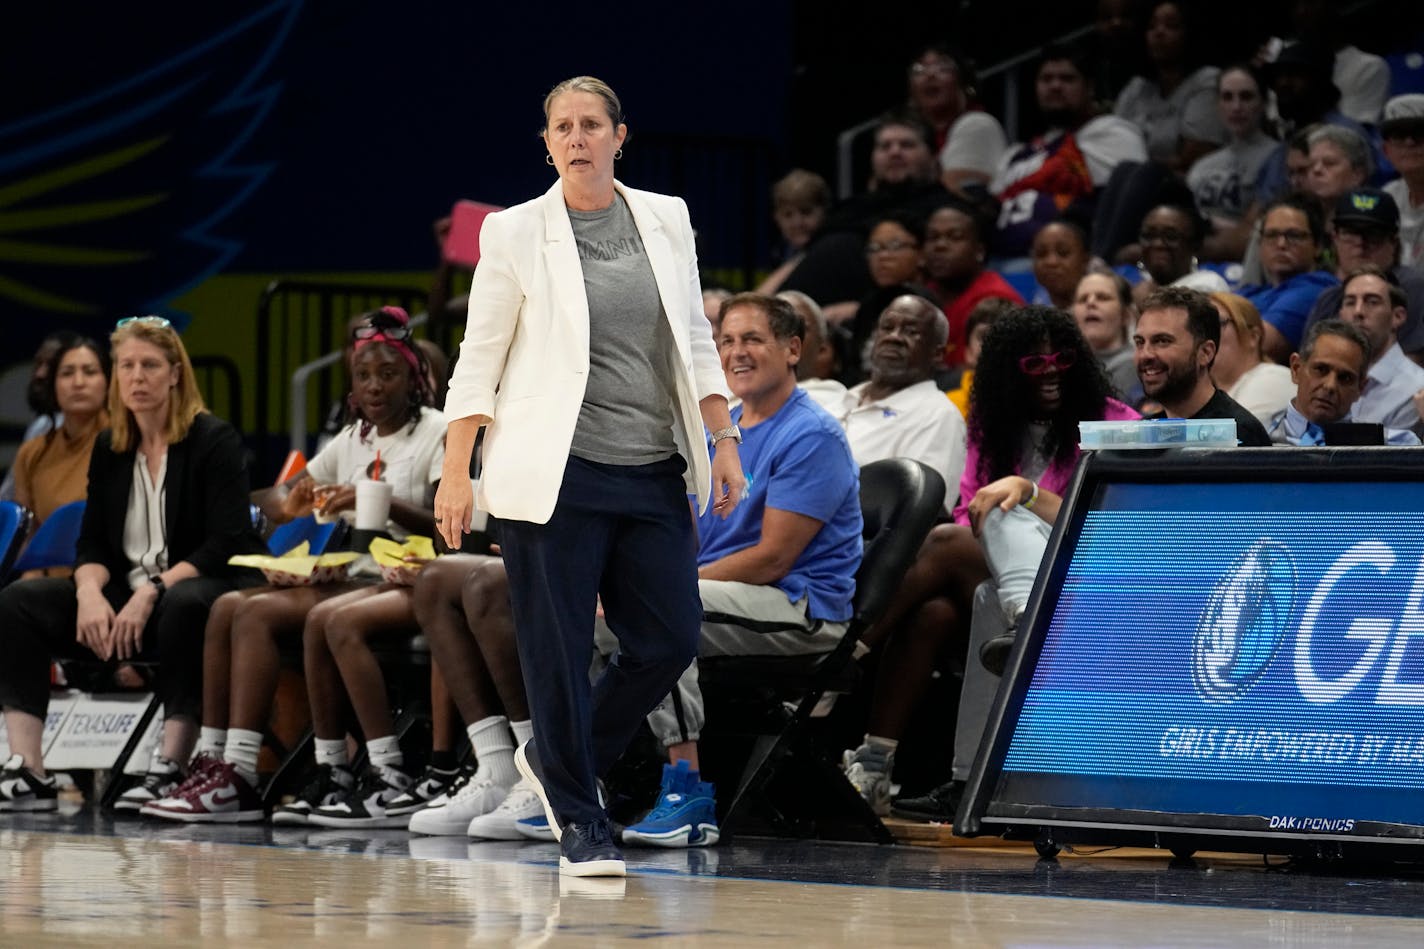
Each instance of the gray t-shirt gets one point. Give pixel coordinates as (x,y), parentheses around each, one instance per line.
(627,412)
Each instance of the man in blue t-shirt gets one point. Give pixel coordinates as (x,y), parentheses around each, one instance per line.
(778,574)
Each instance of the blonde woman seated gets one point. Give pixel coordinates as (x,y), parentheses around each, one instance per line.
(1241,369)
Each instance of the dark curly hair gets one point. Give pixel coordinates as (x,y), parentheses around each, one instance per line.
(1002,401)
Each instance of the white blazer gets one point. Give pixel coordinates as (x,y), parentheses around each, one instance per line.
(524,358)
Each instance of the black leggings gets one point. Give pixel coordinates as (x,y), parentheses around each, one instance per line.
(37,626)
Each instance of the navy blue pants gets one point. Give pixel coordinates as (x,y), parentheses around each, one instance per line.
(625,534)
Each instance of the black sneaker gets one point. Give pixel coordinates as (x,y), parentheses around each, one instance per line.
(994,654)
(161,780)
(330,782)
(938,806)
(366,805)
(435,783)
(588,850)
(22,790)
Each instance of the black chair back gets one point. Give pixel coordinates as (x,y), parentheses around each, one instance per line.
(899,501)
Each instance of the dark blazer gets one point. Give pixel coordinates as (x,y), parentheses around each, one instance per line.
(205,499)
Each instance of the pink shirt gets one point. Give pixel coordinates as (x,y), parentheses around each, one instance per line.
(1055,479)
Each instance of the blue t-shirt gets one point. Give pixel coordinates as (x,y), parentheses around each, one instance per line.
(1286,306)
(799,461)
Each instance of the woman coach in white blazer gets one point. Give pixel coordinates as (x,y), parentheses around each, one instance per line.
(588,356)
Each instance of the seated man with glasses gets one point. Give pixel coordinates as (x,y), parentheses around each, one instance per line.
(1367,234)
(1292,239)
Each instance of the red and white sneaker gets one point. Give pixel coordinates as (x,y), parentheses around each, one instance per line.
(220,796)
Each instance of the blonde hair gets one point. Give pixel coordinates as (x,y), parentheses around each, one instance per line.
(598,87)
(1244,316)
(185,402)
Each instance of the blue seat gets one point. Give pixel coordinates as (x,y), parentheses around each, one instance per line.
(292,533)
(15,522)
(54,543)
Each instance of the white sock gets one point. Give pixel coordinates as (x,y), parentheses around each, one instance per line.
(523,731)
(332,751)
(243,747)
(385,753)
(211,741)
(494,750)
(886,744)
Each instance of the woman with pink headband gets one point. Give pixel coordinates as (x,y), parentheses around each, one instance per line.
(394,435)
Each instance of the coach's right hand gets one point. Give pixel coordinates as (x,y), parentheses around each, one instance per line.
(94,624)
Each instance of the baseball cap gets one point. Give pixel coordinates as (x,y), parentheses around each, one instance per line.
(1403,113)
(1367,207)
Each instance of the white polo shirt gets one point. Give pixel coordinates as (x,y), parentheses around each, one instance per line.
(916,422)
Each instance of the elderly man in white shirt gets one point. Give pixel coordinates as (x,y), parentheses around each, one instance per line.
(899,412)
(1373,300)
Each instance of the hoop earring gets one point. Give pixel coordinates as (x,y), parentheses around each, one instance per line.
(618,154)
(548,159)
(1194,261)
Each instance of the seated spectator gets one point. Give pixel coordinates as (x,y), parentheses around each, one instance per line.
(956,238)
(1241,370)
(1104,312)
(390,415)
(1168,243)
(1374,303)
(981,318)
(786,557)
(1339,163)
(1223,182)
(1363,79)
(799,202)
(816,372)
(1327,371)
(1305,95)
(904,178)
(1114,47)
(1036,380)
(1060,260)
(1366,233)
(900,412)
(1298,178)
(895,254)
(967,140)
(52,470)
(36,394)
(1403,134)
(1174,101)
(1037,180)
(1177,335)
(143,583)
(1292,239)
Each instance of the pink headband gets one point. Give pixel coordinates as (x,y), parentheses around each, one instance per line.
(401,345)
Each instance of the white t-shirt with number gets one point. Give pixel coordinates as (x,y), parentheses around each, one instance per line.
(411,459)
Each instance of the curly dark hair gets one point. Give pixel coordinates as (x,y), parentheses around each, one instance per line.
(1002,402)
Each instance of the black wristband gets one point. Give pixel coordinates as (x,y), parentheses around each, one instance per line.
(158,585)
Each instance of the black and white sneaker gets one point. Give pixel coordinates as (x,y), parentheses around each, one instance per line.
(162,779)
(435,784)
(330,783)
(22,790)
(365,806)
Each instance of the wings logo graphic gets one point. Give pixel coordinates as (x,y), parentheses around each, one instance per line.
(1243,622)
(111,202)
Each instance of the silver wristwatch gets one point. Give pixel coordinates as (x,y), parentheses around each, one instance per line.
(730,431)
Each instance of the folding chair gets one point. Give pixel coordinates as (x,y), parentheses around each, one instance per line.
(55,542)
(15,521)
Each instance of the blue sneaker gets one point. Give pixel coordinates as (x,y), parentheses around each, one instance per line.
(684,816)
(535,828)
(588,850)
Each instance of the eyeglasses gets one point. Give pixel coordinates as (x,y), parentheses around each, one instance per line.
(390,329)
(1040,364)
(931,69)
(1169,238)
(1290,237)
(1403,131)
(144,321)
(1368,240)
(889,247)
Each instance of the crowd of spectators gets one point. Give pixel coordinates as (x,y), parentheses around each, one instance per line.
(1200,239)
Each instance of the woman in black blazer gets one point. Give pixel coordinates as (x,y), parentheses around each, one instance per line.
(167,506)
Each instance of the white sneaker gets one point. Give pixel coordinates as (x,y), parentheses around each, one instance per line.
(498,824)
(451,816)
(869,769)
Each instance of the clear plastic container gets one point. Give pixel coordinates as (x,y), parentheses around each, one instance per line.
(1158,433)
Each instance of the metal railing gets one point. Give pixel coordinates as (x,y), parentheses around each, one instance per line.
(298,322)
(220,382)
